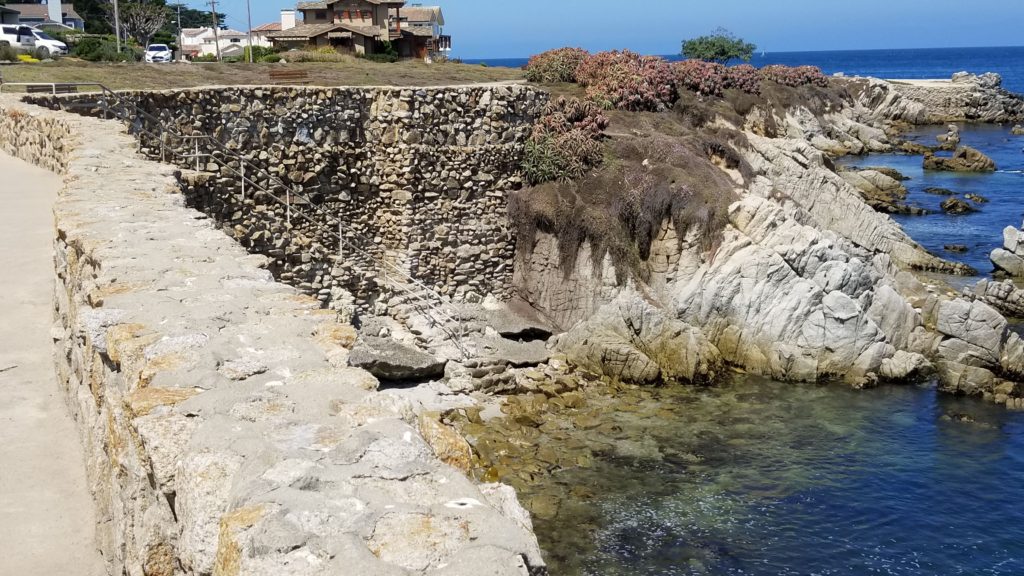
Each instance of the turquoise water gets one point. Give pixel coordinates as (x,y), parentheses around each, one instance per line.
(982,231)
(763,478)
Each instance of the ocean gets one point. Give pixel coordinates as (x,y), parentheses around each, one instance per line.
(909,63)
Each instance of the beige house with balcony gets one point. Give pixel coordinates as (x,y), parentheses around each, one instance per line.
(362,27)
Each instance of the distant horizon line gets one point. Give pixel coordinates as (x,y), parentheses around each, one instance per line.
(759,51)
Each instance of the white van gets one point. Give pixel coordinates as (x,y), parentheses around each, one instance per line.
(17,36)
(51,45)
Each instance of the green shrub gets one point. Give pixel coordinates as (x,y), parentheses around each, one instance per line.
(103,49)
(258,53)
(270,58)
(566,141)
(720,46)
(555,65)
(315,56)
(8,54)
(205,58)
(381,58)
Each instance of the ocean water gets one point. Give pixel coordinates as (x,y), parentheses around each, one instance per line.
(761,478)
(981,231)
(910,64)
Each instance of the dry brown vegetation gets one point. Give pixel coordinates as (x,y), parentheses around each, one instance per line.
(657,167)
(351,72)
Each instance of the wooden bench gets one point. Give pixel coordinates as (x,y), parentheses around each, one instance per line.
(288,76)
(52,89)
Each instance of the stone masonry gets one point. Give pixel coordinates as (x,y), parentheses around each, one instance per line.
(417,178)
(223,433)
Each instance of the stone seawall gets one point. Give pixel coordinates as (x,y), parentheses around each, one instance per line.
(416,178)
(223,433)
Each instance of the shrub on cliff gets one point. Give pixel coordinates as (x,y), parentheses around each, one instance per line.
(795,76)
(627,81)
(745,78)
(566,141)
(555,65)
(712,78)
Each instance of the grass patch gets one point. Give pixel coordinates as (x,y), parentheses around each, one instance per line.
(349,72)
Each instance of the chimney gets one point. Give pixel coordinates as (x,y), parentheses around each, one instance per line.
(54,11)
(287,19)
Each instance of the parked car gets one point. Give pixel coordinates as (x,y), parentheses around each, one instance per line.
(157,53)
(18,37)
(51,45)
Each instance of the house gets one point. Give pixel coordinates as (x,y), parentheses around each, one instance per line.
(39,14)
(260,33)
(203,42)
(361,27)
(9,16)
(425,22)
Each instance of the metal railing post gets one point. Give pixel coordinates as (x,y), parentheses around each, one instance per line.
(242,166)
(197,153)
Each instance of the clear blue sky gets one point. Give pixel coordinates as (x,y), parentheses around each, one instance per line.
(518,28)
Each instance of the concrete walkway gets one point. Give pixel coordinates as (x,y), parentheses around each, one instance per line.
(46,513)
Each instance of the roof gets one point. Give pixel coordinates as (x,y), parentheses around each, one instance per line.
(272,27)
(422,14)
(307,31)
(33,11)
(323,4)
(423,31)
(4,9)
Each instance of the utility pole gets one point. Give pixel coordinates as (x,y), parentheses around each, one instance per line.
(248,9)
(117,26)
(181,43)
(216,28)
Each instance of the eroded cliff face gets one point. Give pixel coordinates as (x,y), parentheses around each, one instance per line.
(806,283)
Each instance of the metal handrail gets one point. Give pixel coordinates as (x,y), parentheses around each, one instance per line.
(290,191)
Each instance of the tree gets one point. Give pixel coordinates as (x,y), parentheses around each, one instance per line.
(140,19)
(720,46)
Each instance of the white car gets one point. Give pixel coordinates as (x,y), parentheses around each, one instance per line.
(46,42)
(157,53)
(18,37)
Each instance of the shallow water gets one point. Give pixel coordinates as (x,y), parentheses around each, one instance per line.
(982,231)
(763,478)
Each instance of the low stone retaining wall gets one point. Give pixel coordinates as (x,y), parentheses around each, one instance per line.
(417,178)
(223,433)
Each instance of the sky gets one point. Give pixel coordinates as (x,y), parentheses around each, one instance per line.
(519,28)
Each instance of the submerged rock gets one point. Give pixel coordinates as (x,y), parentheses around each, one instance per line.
(956,207)
(939,191)
(1017,130)
(965,159)
(976,198)
(957,248)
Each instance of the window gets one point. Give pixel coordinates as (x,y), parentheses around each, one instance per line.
(346,15)
(235,40)
(365,15)
(320,15)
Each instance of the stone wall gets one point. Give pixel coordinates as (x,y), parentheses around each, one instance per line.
(417,178)
(224,434)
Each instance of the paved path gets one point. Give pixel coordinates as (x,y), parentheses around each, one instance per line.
(46,513)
